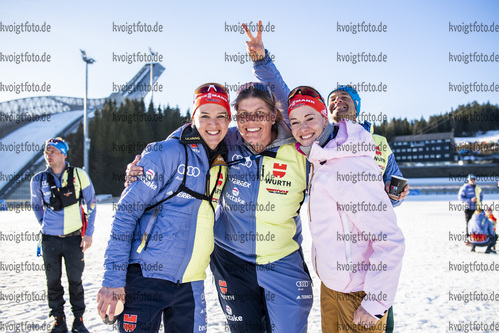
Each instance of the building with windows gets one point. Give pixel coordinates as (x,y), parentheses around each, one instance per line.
(424,148)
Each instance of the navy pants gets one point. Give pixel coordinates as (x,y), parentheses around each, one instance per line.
(54,249)
(181,305)
(490,243)
(276,297)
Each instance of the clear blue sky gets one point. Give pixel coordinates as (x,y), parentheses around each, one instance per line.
(305,44)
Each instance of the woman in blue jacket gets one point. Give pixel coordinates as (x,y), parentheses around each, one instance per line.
(162,233)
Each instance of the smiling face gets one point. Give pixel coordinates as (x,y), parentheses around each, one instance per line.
(306,124)
(54,158)
(212,123)
(254,121)
(341,105)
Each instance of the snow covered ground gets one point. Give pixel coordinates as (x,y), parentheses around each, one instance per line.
(431,296)
(490,136)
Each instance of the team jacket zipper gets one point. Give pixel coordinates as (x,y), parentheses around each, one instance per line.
(310,191)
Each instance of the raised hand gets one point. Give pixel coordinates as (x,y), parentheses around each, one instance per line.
(254,46)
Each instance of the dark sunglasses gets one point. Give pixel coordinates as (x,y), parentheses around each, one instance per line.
(306,91)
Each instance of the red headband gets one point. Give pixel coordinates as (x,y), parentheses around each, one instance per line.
(301,100)
(211,98)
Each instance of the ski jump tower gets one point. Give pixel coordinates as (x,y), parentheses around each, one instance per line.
(66,114)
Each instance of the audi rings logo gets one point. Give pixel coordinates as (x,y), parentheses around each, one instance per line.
(248,162)
(302,284)
(191,171)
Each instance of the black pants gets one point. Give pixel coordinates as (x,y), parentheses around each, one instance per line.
(54,249)
(275,297)
(182,305)
(489,244)
(468,213)
(390,321)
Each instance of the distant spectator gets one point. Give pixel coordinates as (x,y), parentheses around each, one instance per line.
(473,196)
(491,217)
(482,232)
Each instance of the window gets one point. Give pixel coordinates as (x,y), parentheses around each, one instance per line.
(438,147)
(446,155)
(403,150)
(432,156)
(439,141)
(403,157)
(439,156)
(420,149)
(409,157)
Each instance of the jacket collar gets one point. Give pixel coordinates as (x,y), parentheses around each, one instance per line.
(190,135)
(351,140)
(49,169)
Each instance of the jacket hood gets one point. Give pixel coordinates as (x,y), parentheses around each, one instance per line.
(351,140)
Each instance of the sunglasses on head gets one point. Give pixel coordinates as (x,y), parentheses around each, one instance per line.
(306,91)
(54,141)
(213,87)
(255,86)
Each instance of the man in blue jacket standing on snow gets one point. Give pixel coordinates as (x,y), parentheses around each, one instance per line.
(472,195)
(57,195)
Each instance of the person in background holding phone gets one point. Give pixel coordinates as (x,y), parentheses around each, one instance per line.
(56,197)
